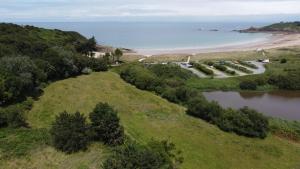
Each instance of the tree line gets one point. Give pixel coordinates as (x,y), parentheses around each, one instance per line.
(289,81)
(169,82)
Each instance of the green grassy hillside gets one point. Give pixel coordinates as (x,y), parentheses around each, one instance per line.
(145,116)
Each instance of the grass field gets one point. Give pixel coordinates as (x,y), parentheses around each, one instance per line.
(145,116)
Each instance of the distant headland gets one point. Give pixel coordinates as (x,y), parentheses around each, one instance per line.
(282,27)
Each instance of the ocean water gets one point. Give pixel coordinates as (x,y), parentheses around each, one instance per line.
(161,35)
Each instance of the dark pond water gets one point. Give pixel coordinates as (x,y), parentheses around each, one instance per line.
(283,104)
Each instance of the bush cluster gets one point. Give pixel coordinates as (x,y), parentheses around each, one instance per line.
(154,155)
(220,67)
(203,69)
(13,115)
(106,125)
(165,80)
(291,81)
(244,121)
(71,133)
(248,64)
(209,63)
(231,72)
(237,67)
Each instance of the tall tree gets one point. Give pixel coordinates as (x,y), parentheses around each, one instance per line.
(118,53)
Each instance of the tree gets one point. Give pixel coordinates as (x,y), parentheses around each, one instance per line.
(69,132)
(87,47)
(118,53)
(105,124)
(97,64)
(154,155)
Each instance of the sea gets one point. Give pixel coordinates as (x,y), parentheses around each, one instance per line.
(161,35)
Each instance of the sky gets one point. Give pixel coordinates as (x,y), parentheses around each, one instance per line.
(93,10)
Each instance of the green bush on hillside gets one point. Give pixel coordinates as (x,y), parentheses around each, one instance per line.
(105,125)
(154,155)
(244,122)
(13,115)
(70,132)
(169,83)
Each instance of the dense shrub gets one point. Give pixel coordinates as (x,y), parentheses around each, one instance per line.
(169,83)
(154,155)
(283,60)
(248,85)
(209,63)
(291,81)
(208,111)
(231,72)
(237,67)
(220,67)
(97,64)
(13,115)
(203,69)
(170,71)
(248,64)
(180,94)
(70,132)
(141,77)
(244,122)
(105,125)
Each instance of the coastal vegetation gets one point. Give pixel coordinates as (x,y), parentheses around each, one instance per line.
(291,27)
(97,120)
(244,121)
(31,57)
(156,154)
(145,116)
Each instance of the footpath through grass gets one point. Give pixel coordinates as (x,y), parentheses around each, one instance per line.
(145,116)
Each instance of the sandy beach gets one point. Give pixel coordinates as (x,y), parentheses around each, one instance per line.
(275,40)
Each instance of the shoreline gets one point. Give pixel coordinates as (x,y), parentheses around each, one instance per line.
(275,40)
